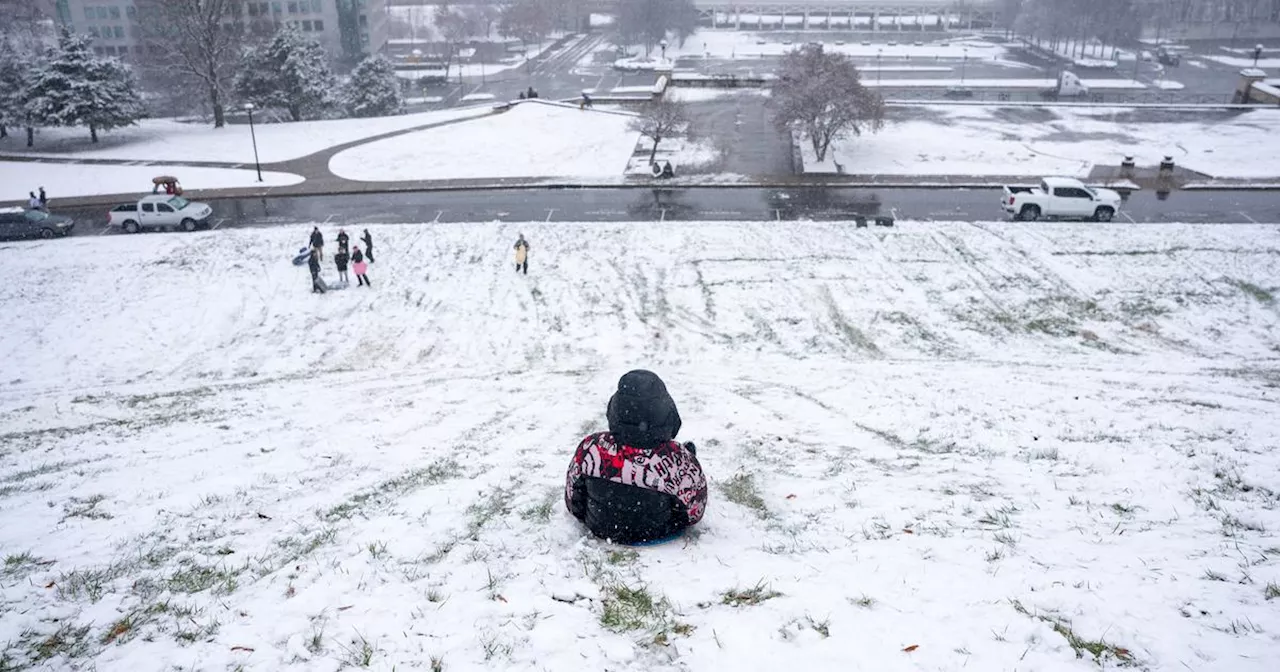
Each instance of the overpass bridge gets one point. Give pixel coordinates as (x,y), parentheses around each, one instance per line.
(859,15)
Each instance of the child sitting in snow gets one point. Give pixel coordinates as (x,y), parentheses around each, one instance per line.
(634,483)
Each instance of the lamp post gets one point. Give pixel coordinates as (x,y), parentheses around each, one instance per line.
(248,107)
(1257,53)
(963,65)
(879,53)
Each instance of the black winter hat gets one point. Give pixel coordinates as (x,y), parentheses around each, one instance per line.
(641,413)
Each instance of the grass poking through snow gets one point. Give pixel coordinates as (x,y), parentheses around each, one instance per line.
(751,596)
(741,490)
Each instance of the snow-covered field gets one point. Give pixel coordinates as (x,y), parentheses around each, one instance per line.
(531,140)
(870,80)
(168,140)
(938,446)
(732,44)
(65,180)
(1241,62)
(976,140)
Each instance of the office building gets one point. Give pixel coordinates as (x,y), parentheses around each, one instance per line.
(341,26)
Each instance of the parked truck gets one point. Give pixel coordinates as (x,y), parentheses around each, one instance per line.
(1060,198)
(159,211)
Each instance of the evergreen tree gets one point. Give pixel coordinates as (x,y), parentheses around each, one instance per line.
(374,90)
(13,70)
(75,88)
(288,72)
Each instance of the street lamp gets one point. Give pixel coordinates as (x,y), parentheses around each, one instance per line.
(1257,53)
(248,107)
(963,64)
(879,53)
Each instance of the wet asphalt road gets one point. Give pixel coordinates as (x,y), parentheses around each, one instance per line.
(703,204)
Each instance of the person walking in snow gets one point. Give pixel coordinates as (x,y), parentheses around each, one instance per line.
(344,242)
(44,200)
(522,255)
(359,267)
(368,245)
(33,203)
(586,102)
(317,241)
(313,263)
(634,483)
(340,260)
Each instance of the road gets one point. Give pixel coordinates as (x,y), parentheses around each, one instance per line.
(703,204)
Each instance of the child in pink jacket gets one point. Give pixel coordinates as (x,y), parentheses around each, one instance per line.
(359,267)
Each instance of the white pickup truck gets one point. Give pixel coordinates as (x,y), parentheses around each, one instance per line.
(1060,198)
(159,211)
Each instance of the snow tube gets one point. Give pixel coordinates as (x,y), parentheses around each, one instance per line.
(659,541)
(300,259)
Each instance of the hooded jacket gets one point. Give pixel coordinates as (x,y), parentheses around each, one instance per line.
(634,483)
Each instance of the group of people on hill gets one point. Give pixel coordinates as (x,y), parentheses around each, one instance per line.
(38,202)
(346,255)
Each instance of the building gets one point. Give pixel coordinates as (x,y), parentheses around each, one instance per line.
(341,26)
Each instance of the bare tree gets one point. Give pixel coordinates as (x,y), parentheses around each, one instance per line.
(197,40)
(650,21)
(820,96)
(660,120)
(455,26)
(525,20)
(1009,10)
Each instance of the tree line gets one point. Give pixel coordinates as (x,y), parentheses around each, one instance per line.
(61,82)
(1074,26)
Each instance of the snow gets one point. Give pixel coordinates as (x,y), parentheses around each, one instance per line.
(1071,52)
(601,20)
(999,83)
(686,156)
(532,139)
(65,180)
(476,97)
(734,44)
(1244,62)
(1168,85)
(1268,88)
(168,140)
(700,95)
(904,68)
(967,440)
(643,64)
(982,140)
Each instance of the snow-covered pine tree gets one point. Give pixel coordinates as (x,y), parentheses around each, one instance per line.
(13,71)
(290,71)
(374,89)
(73,87)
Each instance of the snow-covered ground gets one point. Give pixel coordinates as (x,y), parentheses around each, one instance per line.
(1241,62)
(733,44)
(531,140)
(869,79)
(64,180)
(686,155)
(168,140)
(938,446)
(977,140)
(1169,85)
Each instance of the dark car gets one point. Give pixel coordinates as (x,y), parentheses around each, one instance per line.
(20,223)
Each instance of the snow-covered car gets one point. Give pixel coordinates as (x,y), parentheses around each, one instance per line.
(21,223)
(159,211)
(1060,198)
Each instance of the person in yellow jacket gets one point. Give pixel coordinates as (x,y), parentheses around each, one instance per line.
(522,255)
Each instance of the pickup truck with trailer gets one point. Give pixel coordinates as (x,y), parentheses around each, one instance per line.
(1060,198)
(159,211)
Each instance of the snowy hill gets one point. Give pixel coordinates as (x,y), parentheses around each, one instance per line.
(939,446)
